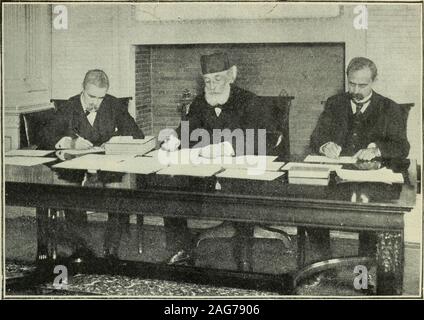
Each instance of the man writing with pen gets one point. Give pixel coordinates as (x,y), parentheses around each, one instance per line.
(90,119)
(359,123)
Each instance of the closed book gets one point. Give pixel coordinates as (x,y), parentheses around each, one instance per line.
(128,145)
(309,172)
(309,181)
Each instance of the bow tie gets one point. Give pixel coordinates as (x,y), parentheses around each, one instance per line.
(218,109)
(88,111)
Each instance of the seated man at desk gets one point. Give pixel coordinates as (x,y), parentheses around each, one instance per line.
(89,119)
(222,105)
(359,123)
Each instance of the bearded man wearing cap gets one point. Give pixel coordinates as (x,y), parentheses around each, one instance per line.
(222,105)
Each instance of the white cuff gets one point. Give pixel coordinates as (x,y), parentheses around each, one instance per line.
(64,143)
(321,149)
(373,145)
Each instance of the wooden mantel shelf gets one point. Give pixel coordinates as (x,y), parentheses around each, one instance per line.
(30,108)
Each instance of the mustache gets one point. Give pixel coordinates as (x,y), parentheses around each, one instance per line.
(357,96)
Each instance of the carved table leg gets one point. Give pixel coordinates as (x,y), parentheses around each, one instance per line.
(390,258)
(42,233)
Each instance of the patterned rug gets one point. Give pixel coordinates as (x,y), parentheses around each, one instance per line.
(122,286)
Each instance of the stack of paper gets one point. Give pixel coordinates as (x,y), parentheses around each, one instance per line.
(128,145)
(324,159)
(301,174)
(383,175)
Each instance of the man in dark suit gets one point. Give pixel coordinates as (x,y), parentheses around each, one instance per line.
(222,105)
(90,119)
(359,123)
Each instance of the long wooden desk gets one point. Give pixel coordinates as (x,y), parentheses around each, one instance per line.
(374,207)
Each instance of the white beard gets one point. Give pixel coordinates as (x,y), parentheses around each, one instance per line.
(218,99)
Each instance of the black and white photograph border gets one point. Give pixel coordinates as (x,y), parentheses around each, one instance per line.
(97,231)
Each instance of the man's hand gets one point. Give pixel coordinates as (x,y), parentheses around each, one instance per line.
(171,143)
(331,150)
(217,150)
(368,165)
(81,143)
(64,143)
(367,154)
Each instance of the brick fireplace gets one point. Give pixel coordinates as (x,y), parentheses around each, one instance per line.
(311,72)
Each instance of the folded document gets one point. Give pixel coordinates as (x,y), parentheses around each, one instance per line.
(383,175)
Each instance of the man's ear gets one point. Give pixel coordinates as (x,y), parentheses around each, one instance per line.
(232,72)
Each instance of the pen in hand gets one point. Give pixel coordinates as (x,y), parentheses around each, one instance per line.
(82,143)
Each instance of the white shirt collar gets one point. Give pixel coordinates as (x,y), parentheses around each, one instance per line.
(92,115)
(83,103)
(364,107)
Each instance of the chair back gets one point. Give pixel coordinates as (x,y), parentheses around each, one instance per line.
(31,125)
(274,117)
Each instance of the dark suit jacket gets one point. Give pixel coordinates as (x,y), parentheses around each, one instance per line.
(239,112)
(382,124)
(112,119)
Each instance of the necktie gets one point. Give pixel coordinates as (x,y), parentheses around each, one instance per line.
(359,106)
(87,113)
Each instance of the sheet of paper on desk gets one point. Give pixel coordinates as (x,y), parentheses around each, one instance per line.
(94,162)
(178,157)
(152,154)
(332,167)
(246,174)
(28,153)
(79,152)
(324,159)
(248,161)
(383,175)
(130,139)
(27,161)
(139,165)
(190,170)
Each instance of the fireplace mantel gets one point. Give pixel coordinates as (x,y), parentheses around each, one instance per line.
(163,12)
